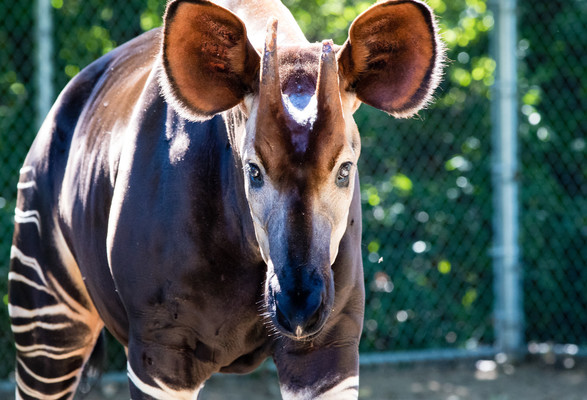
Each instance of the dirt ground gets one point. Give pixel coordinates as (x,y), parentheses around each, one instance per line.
(475,380)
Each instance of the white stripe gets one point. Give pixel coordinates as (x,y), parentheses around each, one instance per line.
(56,353)
(28,213)
(35,393)
(162,392)
(78,312)
(26,185)
(21,312)
(57,309)
(347,389)
(41,325)
(26,169)
(13,276)
(47,380)
(28,261)
(23,217)
(69,307)
(67,259)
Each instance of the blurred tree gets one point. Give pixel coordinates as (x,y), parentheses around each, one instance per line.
(553,86)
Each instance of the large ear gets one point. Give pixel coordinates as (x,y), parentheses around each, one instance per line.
(393,57)
(209,64)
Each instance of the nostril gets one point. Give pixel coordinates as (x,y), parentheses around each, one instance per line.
(282,319)
(313,321)
(299,319)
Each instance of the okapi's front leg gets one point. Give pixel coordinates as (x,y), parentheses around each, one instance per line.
(326,368)
(160,372)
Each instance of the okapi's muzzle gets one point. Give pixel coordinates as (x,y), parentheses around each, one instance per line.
(300,285)
(301,310)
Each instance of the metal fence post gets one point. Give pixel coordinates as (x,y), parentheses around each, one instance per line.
(44,59)
(507,276)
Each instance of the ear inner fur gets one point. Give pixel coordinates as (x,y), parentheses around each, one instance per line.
(393,57)
(209,64)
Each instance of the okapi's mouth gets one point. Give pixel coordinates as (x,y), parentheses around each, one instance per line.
(301,314)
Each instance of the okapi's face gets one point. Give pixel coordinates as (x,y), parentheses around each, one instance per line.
(300,145)
(300,152)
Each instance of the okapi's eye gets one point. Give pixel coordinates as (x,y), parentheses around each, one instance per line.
(255,175)
(342,178)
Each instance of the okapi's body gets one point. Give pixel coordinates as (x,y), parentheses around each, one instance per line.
(196,192)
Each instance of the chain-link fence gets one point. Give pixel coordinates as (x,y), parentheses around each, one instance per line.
(426,183)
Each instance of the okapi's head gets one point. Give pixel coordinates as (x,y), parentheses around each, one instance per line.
(298,143)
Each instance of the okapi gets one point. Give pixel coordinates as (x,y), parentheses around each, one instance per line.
(196,192)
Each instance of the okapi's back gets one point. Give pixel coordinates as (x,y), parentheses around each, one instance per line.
(94,107)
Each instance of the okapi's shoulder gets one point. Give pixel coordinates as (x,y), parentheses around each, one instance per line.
(111,84)
(101,95)
(117,66)
(97,98)
(96,105)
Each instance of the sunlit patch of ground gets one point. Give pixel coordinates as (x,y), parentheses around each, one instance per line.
(480,380)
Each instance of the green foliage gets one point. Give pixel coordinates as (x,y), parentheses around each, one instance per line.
(96,27)
(553,168)
(326,19)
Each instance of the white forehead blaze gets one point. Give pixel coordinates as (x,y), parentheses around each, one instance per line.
(303,109)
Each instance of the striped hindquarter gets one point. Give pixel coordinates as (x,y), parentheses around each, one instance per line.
(54,324)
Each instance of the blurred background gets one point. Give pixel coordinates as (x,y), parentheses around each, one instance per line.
(475,211)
